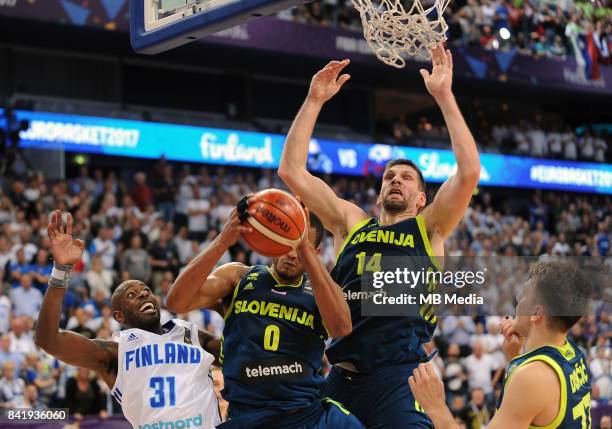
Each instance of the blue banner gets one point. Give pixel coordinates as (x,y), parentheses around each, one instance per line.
(139,139)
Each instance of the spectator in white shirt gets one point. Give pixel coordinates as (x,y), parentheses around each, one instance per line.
(21,337)
(98,277)
(480,367)
(587,148)
(12,388)
(570,151)
(198,210)
(105,247)
(601,147)
(561,247)
(554,144)
(539,147)
(184,246)
(601,371)
(26,299)
(5,314)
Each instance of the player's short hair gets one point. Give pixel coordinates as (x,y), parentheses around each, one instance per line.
(564,291)
(316,223)
(401,161)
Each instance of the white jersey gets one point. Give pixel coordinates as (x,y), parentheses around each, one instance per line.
(164,381)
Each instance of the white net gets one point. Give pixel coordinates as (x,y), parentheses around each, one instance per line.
(394,32)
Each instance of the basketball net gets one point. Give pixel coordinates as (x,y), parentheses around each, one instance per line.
(393,32)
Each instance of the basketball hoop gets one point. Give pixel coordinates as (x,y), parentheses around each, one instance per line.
(392,32)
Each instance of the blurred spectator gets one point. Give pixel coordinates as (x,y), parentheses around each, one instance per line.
(98,277)
(41,270)
(141,192)
(7,354)
(78,322)
(83,395)
(197,209)
(135,261)
(26,299)
(605,422)
(478,414)
(19,267)
(164,257)
(32,399)
(12,389)
(5,314)
(164,190)
(480,367)
(21,340)
(455,377)
(104,246)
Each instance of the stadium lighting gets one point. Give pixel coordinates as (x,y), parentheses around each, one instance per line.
(504,33)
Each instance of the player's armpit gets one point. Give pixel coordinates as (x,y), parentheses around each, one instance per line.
(529,396)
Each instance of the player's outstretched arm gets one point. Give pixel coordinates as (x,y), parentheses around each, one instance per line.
(337,215)
(198,286)
(453,197)
(328,295)
(67,346)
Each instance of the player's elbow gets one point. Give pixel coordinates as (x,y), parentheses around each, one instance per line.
(43,341)
(469,176)
(290,174)
(341,329)
(174,304)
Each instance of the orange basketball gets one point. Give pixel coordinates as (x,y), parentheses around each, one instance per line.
(278,224)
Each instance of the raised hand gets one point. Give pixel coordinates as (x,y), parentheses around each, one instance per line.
(326,83)
(234,227)
(513,343)
(439,82)
(65,250)
(426,387)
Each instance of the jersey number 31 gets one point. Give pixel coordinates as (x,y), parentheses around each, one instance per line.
(164,394)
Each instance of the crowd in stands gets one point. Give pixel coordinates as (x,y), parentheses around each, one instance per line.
(149,225)
(551,28)
(523,138)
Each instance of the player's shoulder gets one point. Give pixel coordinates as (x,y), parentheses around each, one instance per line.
(535,376)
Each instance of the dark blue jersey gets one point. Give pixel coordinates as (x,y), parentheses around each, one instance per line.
(382,341)
(570,365)
(272,345)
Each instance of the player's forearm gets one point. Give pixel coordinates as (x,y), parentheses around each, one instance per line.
(185,290)
(330,300)
(442,418)
(47,326)
(463,143)
(295,152)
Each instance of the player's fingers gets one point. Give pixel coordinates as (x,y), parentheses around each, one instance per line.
(343,79)
(80,244)
(424,73)
(449,59)
(69,224)
(60,223)
(245,230)
(417,375)
(430,369)
(54,217)
(411,383)
(51,230)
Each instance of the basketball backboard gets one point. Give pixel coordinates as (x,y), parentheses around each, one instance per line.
(159,25)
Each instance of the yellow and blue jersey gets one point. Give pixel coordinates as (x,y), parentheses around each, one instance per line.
(383,341)
(570,365)
(272,346)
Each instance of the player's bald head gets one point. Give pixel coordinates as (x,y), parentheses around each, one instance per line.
(117,297)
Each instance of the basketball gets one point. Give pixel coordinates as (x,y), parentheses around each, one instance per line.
(278,224)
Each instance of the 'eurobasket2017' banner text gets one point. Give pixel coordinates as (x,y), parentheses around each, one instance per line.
(140,139)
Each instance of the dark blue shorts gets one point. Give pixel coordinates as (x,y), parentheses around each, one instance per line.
(382,400)
(323,414)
